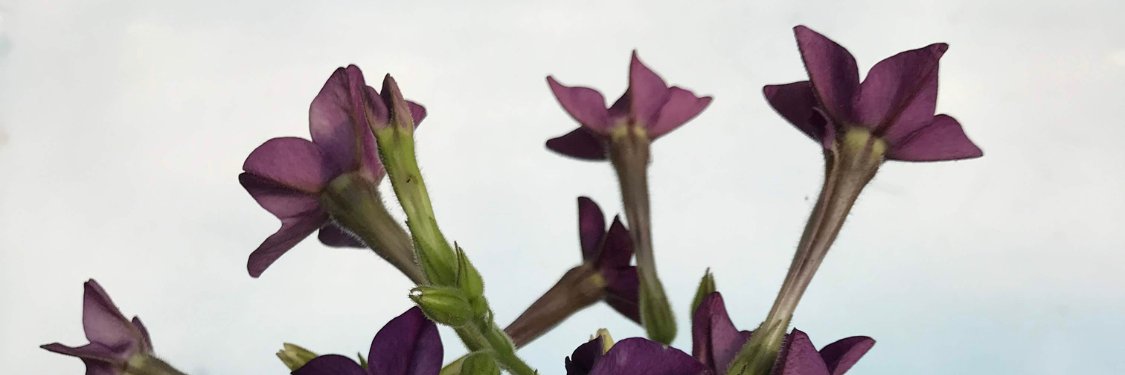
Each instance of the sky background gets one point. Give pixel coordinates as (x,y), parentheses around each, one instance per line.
(123,126)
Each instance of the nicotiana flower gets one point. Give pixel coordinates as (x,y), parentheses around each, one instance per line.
(623,133)
(407,345)
(117,345)
(888,116)
(716,341)
(605,274)
(632,356)
(648,106)
(288,176)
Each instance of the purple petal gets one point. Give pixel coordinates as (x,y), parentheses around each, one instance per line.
(585,105)
(407,345)
(292,231)
(796,102)
(147,340)
(91,351)
(831,69)
(580,143)
(714,339)
(417,112)
(591,227)
(682,106)
(799,357)
(331,364)
(104,324)
(619,111)
(617,248)
(584,357)
(333,235)
(941,139)
(291,162)
(623,291)
(647,92)
(637,356)
(843,354)
(333,118)
(899,94)
(279,200)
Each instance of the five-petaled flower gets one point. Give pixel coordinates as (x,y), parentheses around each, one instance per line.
(895,104)
(407,345)
(288,175)
(115,341)
(648,106)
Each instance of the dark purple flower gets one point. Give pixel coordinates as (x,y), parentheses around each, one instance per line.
(605,274)
(632,356)
(287,175)
(114,340)
(895,103)
(407,345)
(716,341)
(648,106)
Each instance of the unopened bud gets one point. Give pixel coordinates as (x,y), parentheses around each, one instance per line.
(445,305)
(480,363)
(706,287)
(294,356)
(468,278)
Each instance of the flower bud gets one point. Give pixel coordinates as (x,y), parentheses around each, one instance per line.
(445,305)
(294,356)
(479,363)
(706,287)
(468,278)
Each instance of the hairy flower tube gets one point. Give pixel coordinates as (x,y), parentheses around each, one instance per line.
(408,345)
(605,274)
(890,115)
(330,183)
(623,132)
(117,345)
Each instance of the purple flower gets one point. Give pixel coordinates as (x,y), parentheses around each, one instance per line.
(605,274)
(895,103)
(632,356)
(407,345)
(715,342)
(287,175)
(648,106)
(114,340)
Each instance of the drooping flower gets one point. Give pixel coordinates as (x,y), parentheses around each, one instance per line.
(648,106)
(288,175)
(605,274)
(716,342)
(117,344)
(408,345)
(894,104)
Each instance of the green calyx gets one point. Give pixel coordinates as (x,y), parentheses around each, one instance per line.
(294,356)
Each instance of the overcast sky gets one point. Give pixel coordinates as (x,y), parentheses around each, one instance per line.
(123,125)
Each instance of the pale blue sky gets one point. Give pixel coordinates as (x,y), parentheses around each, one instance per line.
(123,125)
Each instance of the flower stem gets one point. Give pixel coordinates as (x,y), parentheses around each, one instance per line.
(629,153)
(579,288)
(848,168)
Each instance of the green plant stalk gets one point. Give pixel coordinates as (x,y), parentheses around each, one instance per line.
(436,256)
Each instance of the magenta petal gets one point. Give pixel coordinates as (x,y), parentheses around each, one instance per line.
(843,354)
(333,235)
(417,112)
(279,200)
(622,291)
(637,356)
(583,359)
(92,351)
(831,69)
(647,92)
(331,364)
(799,357)
(292,231)
(147,340)
(715,340)
(104,324)
(580,143)
(585,105)
(333,116)
(617,248)
(682,106)
(796,102)
(591,227)
(899,94)
(291,162)
(407,345)
(941,139)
